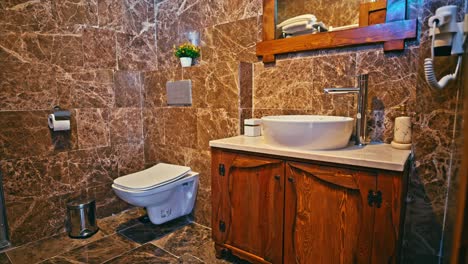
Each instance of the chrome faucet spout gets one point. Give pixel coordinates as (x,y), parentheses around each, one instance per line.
(360,136)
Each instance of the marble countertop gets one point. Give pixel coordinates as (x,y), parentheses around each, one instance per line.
(379,156)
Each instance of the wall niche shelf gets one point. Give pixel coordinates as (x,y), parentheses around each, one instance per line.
(379,22)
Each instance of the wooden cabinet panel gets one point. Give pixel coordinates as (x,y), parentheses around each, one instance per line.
(269,210)
(248,203)
(327,216)
(389,218)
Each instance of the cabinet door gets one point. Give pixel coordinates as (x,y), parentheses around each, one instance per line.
(389,217)
(327,216)
(248,204)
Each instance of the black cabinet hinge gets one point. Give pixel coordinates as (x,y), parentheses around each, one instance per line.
(374,198)
(221,169)
(222,226)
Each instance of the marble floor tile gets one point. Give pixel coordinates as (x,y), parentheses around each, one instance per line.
(189,259)
(147,253)
(96,252)
(207,254)
(48,247)
(185,240)
(121,221)
(146,232)
(4,259)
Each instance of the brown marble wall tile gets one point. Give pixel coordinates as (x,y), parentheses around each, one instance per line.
(220,12)
(215,85)
(99,47)
(233,41)
(36,90)
(110,14)
(65,51)
(89,88)
(35,176)
(107,202)
(200,161)
(155,86)
(130,158)
(137,52)
(180,127)
(93,127)
(137,15)
(392,82)
(92,167)
(126,125)
(165,153)
(33,16)
(167,29)
(202,210)
(334,71)
(153,132)
(215,124)
(196,15)
(128,89)
(288,85)
(70,13)
(246,85)
(21,127)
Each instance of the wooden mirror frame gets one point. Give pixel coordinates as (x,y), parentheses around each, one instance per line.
(383,21)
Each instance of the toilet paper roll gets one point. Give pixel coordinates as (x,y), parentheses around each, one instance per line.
(58,125)
(402,130)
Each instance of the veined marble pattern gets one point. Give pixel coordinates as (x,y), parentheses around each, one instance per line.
(233,41)
(94,57)
(127,237)
(129,89)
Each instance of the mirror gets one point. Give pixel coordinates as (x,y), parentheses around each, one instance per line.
(378,21)
(328,15)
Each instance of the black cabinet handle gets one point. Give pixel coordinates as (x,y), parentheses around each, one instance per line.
(277,177)
(291,180)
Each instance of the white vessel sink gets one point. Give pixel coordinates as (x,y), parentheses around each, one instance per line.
(308,132)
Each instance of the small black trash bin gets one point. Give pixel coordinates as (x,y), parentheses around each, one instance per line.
(81,218)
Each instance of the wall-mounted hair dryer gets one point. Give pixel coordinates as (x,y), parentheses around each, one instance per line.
(448,38)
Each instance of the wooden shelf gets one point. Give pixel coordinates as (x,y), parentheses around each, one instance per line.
(403,29)
(380,22)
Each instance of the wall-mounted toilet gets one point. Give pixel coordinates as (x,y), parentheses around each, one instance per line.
(167,191)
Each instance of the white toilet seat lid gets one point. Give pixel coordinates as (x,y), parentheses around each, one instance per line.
(159,174)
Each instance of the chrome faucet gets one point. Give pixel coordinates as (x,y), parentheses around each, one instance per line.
(360,136)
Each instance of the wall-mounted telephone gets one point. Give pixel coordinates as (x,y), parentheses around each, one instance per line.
(303,24)
(448,38)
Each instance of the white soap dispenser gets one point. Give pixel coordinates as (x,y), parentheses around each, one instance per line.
(403,132)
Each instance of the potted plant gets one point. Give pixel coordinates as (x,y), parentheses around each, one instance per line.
(187,52)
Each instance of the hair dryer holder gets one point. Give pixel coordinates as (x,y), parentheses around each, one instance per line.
(448,38)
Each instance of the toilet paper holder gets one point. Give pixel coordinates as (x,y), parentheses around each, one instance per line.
(59,120)
(61,114)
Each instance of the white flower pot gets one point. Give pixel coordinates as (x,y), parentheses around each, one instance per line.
(186,61)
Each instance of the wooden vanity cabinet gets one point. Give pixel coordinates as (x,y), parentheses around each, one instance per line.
(247,205)
(281,210)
